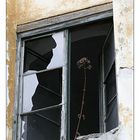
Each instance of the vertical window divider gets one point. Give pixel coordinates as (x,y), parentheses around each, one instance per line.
(101,113)
(15,120)
(68,85)
(102,98)
(64,115)
(103,108)
(20,98)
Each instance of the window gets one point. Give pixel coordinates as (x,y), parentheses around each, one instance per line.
(93,95)
(67,83)
(42,87)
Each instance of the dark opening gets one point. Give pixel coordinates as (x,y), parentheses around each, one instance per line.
(42,125)
(86,48)
(38,53)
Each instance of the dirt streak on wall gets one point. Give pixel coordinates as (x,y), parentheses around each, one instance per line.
(11,51)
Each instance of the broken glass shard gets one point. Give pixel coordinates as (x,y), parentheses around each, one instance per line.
(42,90)
(44,125)
(44,53)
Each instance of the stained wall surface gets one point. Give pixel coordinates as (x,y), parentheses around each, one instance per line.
(123,26)
(25,11)
(11,51)
(30,10)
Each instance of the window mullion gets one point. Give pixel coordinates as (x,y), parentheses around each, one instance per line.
(103,94)
(15,121)
(64,90)
(103,108)
(20,90)
(68,85)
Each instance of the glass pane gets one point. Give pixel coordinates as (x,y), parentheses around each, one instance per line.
(90,31)
(42,90)
(112,115)
(44,53)
(109,55)
(110,85)
(44,125)
(111,100)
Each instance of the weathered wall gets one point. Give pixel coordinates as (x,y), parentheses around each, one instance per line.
(123,22)
(30,10)
(11,51)
(23,11)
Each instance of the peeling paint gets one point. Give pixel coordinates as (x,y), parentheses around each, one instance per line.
(7,89)
(11,51)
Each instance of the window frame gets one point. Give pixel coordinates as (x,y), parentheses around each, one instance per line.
(38,28)
(103,84)
(21,75)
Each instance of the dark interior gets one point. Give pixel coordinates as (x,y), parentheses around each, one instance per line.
(39,126)
(38,53)
(44,125)
(86,41)
(85,48)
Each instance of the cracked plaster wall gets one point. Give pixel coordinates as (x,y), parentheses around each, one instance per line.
(23,11)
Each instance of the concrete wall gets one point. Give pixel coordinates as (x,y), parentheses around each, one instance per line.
(24,11)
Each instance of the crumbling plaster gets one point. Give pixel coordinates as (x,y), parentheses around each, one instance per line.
(23,11)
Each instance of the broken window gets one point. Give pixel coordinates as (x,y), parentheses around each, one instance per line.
(69,88)
(42,88)
(44,53)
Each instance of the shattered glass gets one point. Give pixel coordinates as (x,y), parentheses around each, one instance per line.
(42,90)
(40,125)
(44,53)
